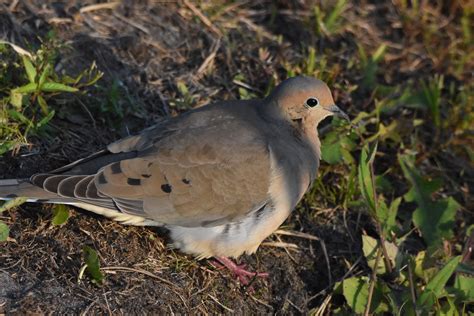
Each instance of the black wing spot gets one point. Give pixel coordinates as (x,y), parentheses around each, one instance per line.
(146,175)
(115,168)
(102,179)
(132,181)
(186,181)
(226,229)
(166,188)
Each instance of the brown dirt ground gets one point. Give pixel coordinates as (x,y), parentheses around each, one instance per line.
(147,47)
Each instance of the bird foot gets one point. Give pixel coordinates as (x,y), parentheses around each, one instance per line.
(245,277)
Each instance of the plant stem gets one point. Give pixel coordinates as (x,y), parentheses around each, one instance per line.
(373,280)
(388,264)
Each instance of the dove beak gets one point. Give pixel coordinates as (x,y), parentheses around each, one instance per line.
(338,112)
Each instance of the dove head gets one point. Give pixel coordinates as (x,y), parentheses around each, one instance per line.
(304,100)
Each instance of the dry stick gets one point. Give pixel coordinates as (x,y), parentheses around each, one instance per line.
(203,18)
(386,258)
(209,59)
(373,279)
(100,6)
(127,269)
(412,288)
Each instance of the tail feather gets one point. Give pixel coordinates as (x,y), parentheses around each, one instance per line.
(12,188)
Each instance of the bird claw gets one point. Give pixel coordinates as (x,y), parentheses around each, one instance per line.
(244,276)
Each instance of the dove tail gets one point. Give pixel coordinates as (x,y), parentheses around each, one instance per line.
(13,188)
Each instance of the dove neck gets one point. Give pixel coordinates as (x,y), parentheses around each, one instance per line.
(304,127)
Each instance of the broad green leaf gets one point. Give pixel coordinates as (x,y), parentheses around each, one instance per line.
(30,69)
(60,214)
(336,148)
(4,231)
(93,267)
(331,149)
(12,203)
(435,287)
(370,248)
(435,219)
(425,266)
(356,293)
(57,87)
(465,285)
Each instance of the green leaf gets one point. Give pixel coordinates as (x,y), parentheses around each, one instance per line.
(435,219)
(356,293)
(449,308)
(465,285)
(60,214)
(43,104)
(386,216)
(19,117)
(27,88)
(377,56)
(365,176)
(30,69)
(370,248)
(57,87)
(45,119)
(336,148)
(12,203)
(93,267)
(435,287)
(44,75)
(4,231)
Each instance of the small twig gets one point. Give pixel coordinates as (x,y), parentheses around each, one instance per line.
(127,269)
(286,250)
(323,246)
(260,301)
(324,305)
(295,307)
(296,234)
(245,85)
(209,59)
(220,304)
(132,23)
(107,303)
(412,287)
(373,280)
(203,18)
(99,6)
(280,245)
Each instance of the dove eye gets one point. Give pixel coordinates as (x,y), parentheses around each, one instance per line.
(312,102)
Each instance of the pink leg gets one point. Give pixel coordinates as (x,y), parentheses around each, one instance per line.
(239,271)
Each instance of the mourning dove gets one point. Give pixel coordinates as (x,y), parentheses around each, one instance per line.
(220,178)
